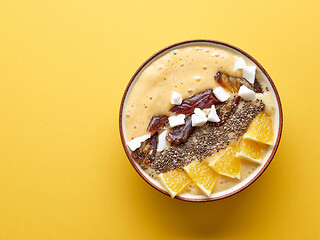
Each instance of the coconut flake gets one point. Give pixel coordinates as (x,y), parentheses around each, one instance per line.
(198,121)
(213,116)
(162,141)
(246,93)
(177,120)
(136,142)
(249,73)
(199,112)
(176,98)
(221,94)
(239,63)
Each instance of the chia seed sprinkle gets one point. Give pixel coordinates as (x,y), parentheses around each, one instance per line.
(208,139)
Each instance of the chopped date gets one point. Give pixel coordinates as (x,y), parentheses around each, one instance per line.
(233,84)
(201,100)
(152,147)
(138,154)
(257,87)
(147,151)
(226,110)
(157,122)
(181,133)
(230,83)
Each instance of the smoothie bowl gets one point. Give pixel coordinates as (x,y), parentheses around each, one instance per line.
(200,120)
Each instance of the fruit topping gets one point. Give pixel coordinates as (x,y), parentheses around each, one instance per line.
(239,63)
(199,118)
(226,163)
(249,73)
(177,120)
(201,100)
(176,98)
(181,133)
(199,112)
(233,84)
(257,87)
(136,142)
(221,94)
(213,116)
(162,143)
(261,129)
(198,121)
(202,175)
(151,147)
(226,110)
(175,181)
(138,154)
(251,150)
(246,93)
(157,122)
(147,151)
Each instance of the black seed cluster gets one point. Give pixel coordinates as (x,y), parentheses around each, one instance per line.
(208,139)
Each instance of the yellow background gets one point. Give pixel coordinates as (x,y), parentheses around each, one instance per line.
(63,68)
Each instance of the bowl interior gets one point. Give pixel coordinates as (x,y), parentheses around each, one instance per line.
(277,120)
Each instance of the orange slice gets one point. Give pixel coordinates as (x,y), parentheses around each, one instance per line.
(250,150)
(260,129)
(226,163)
(202,175)
(175,181)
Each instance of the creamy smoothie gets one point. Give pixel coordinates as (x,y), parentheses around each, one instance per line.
(190,72)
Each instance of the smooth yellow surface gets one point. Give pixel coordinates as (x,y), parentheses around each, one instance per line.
(63,68)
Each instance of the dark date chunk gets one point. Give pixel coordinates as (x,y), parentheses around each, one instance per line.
(157,122)
(233,84)
(257,87)
(147,151)
(201,100)
(225,110)
(151,149)
(181,133)
(138,154)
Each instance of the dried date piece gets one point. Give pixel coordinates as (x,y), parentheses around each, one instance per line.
(257,87)
(233,84)
(226,110)
(157,122)
(147,151)
(151,147)
(139,154)
(201,100)
(181,133)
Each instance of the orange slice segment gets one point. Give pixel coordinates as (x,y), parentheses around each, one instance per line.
(251,150)
(175,181)
(260,129)
(226,163)
(202,175)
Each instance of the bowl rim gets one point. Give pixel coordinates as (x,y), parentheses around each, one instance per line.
(263,168)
